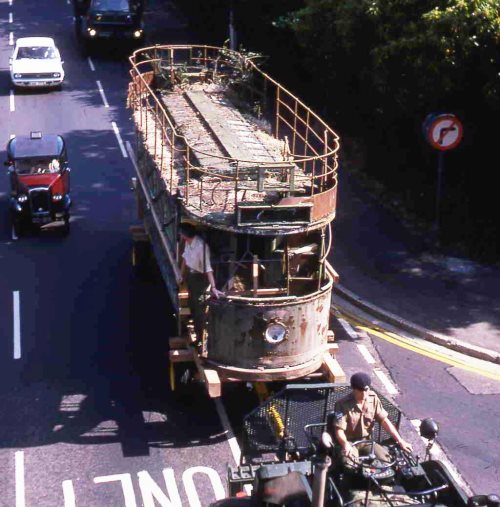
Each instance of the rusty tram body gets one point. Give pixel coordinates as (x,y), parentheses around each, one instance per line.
(223,146)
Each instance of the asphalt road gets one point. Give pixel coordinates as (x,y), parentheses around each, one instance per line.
(86,415)
(375,256)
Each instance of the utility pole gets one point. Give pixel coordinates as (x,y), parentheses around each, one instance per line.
(233,43)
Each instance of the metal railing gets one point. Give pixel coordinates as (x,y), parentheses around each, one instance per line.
(308,159)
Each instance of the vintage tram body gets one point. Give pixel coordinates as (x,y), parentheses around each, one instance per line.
(222,145)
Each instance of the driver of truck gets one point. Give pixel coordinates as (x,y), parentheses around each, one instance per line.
(354,419)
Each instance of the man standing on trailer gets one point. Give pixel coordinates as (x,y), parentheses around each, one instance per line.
(197,270)
(354,419)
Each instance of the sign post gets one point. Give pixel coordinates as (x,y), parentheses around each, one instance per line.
(443,132)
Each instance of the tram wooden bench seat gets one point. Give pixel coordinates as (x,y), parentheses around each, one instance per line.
(181,71)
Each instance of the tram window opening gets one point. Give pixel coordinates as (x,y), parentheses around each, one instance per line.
(250,265)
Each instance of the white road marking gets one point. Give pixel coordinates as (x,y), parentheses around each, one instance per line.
(190,488)
(101,91)
(11,38)
(389,386)
(69,494)
(366,354)
(20,493)
(348,328)
(91,64)
(17,324)
(12,101)
(228,430)
(11,17)
(119,138)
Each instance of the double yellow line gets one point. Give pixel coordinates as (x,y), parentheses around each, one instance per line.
(414,346)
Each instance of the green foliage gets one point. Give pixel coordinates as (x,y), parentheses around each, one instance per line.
(380,66)
(408,51)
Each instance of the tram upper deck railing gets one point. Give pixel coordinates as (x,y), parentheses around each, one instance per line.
(235,145)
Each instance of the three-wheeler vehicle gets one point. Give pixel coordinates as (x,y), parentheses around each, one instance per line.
(289,459)
(39,181)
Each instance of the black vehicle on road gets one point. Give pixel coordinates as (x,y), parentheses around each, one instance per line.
(108,20)
(39,181)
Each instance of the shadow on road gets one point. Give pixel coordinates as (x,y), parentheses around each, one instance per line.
(95,368)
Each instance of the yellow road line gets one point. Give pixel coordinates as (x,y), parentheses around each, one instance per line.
(437,356)
(400,341)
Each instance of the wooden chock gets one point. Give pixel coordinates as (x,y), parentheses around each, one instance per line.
(177,342)
(332,369)
(210,377)
(332,348)
(138,233)
(181,355)
(185,311)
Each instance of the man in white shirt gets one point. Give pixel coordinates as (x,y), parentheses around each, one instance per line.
(197,271)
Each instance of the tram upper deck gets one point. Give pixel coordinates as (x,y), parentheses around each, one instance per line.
(240,151)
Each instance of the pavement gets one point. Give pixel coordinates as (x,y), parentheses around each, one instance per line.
(391,273)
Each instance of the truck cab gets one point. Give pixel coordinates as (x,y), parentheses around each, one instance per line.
(101,20)
(39,181)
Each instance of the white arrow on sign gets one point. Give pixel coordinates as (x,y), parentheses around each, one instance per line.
(445,132)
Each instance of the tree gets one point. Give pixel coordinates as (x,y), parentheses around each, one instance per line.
(402,54)
(383,65)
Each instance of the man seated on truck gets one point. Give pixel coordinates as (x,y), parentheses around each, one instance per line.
(354,418)
(198,273)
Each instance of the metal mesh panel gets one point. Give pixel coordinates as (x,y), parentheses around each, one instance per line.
(278,424)
(394,415)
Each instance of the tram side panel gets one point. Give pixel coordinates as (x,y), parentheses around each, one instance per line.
(158,212)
